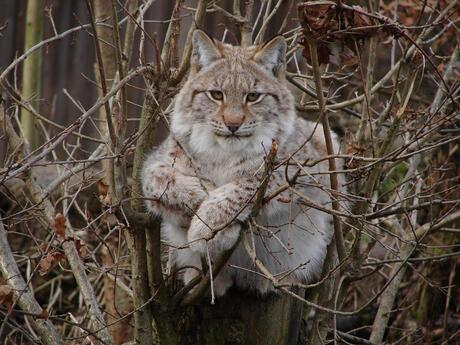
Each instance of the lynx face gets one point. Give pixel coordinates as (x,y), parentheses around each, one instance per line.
(235,99)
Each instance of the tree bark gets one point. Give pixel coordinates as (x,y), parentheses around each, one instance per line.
(25,298)
(241,318)
(31,74)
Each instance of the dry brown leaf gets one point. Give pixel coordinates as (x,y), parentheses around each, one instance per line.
(361,20)
(60,226)
(318,19)
(43,315)
(103,189)
(349,60)
(6,296)
(323,52)
(329,23)
(81,248)
(48,261)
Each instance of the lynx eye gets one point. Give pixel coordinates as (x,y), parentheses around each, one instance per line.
(216,94)
(253,96)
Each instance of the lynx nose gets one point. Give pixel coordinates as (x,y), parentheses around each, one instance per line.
(233,127)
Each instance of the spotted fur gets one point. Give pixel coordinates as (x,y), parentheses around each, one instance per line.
(205,176)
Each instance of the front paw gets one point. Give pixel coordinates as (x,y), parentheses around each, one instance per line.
(202,238)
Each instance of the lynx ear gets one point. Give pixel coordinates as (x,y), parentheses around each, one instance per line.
(272,56)
(204,51)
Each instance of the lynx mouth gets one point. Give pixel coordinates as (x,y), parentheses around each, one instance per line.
(233,135)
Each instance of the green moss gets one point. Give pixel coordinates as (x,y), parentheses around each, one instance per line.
(392,181)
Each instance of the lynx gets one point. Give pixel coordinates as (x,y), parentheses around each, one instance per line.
(207,172)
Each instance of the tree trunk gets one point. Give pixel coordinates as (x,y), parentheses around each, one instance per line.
(240,318)
(31,75)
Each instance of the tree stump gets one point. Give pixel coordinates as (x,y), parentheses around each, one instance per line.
(241,318)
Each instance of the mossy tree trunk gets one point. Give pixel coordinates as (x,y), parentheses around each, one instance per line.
(116,300)
(103,14)
(31,74)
